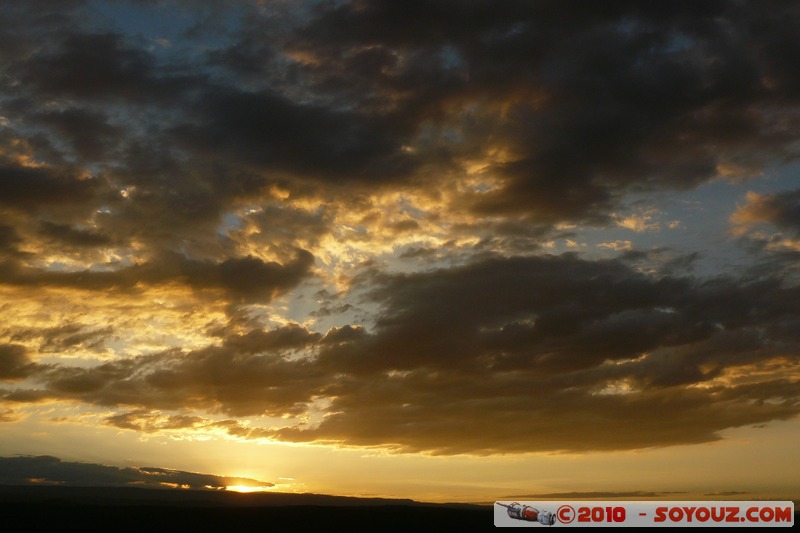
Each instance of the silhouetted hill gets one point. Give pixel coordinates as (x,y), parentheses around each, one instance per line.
(130,509)
(52,508)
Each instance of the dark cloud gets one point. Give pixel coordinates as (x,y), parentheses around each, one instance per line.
(588,102)
(250,277)
(15,363)
(574,347)
(49,18)
(68,235)
(508,306)
(98,67)
(87,132)
(585,107)
(276,224)
(275,133)
(780,209)
(290,337)
(241,278)
(48,470)
(435,413)
(65,336)
(24,186)
(459,356)
(9,241)
(248,375)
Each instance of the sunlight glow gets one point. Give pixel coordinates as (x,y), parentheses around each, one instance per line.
(247,488)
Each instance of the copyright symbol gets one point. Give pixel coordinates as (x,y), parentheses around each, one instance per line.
(565,514)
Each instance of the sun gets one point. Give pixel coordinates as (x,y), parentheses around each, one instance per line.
(247,488)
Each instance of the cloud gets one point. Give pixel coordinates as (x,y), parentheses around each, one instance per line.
(574,347)
(584,108)
(64,337)
(782,210)
(15,363)
(48,470)
(459,355)
(66,234)
(291,336)
(9,241)
(513,112)
(97,67)
(638,223)
(241,278)
(277,134)
(617,246)
(26,185)
(48,18)
(562,116)
(755,223)
(89,133)
(248,375)
(147,422)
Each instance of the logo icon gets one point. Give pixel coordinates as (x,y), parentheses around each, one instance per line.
(529,514)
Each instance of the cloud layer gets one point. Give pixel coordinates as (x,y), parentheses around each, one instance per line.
(47,470)
(335,222)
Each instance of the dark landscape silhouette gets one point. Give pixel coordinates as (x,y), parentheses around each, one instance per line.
(58,508)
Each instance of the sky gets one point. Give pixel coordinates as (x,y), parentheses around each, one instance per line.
(442,250)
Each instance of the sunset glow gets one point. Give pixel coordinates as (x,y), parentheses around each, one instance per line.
(246,488)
